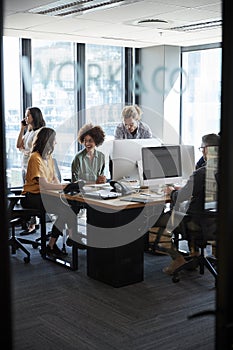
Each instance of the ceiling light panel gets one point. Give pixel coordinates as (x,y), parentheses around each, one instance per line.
(198,26)
(68,7)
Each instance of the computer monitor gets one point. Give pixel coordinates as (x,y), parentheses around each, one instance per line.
(126,157)
(187,160)
(161,165)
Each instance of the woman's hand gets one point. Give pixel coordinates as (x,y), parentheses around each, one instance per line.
(168,189)
(101,179)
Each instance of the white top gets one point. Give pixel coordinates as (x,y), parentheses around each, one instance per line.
(27,140)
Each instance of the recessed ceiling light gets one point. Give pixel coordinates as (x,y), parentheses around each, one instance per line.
(152,21)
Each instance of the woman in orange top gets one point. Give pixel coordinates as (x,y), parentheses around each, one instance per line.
(41,176)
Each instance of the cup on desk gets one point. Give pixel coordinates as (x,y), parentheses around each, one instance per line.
(101,179)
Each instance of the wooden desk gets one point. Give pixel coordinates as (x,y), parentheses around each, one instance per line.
(115,236)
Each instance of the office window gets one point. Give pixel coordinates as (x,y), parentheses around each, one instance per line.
(11,71)
(201,97)
(104,86)
(54,91)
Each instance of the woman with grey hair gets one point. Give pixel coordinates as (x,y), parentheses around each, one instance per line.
(131,126)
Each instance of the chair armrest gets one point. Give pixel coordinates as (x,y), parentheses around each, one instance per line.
(16,191)
(13,199)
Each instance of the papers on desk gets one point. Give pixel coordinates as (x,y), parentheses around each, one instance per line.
(157,195)
(101,194)
(143,197)
(97,186)
(137,199)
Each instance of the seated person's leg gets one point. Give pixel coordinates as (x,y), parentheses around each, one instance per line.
(157,235)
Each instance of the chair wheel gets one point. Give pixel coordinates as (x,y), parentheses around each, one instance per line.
(26,259)
(175,279)
(35,245)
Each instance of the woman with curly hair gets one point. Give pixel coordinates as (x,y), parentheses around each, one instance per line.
(89,163)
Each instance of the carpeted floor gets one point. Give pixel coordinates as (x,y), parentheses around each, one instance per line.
(58,309)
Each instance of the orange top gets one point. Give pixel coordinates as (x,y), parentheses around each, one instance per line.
(38,168)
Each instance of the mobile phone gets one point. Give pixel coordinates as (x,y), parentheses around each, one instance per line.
(24,122)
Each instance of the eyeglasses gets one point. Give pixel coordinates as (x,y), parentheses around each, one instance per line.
(201,149)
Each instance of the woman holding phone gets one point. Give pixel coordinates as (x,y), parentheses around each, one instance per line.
(32,122)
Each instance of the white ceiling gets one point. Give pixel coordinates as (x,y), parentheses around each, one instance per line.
(118,25)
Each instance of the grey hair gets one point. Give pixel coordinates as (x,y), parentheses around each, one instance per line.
(133,111)
(210,140)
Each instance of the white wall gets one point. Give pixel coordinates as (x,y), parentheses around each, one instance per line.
(160,96)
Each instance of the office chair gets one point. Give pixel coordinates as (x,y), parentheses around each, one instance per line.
(15,243)
(17,214)
(200,228)
(200,236)
(156,238)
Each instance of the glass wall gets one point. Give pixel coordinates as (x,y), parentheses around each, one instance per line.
(12,106)
(201,97)
(53,77)
(104,86)
(53,91)
(56,78)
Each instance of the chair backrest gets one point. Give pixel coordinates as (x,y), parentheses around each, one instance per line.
(57,170)
(203,224)
(211,179)
(210,215)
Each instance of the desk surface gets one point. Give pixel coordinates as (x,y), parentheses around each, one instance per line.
(116,203)
(115,236)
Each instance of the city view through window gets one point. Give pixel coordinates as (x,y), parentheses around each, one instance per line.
(56,77)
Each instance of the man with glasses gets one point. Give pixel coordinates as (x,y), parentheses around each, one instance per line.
(202,160)
(193,194)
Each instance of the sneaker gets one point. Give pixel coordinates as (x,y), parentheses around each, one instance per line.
(70,243)
(55,252)
(58,251)
(175,264)
(27,232)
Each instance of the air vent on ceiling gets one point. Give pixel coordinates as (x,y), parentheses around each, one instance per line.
(198,26)
(69,7)
(152,21)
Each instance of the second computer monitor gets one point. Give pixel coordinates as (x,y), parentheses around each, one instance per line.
(161,165)
(126,157)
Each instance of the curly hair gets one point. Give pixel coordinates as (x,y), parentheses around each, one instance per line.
(96,132)
(44,141)
(133,111)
